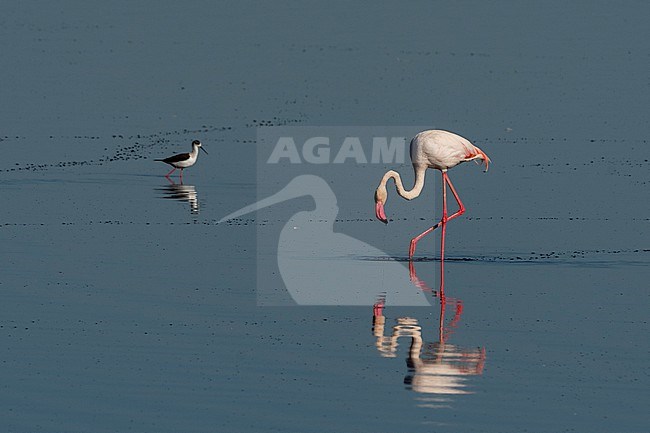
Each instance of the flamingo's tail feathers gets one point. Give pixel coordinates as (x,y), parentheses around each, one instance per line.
(482,155)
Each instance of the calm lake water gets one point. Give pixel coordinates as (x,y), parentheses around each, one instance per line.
(128,306)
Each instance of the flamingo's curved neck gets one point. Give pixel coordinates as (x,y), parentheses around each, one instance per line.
(417,188)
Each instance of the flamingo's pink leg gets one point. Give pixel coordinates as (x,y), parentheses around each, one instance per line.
(415,240)
(167,175)
(441,320)
(445,181)
(443,221)
(461,207)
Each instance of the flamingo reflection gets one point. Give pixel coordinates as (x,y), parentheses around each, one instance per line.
(438,369)
(181,192)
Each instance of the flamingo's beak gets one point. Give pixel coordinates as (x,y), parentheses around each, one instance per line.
(379,212)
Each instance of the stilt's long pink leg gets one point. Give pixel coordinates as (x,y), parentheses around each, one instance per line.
(445,181)
(168,174)
(181,176)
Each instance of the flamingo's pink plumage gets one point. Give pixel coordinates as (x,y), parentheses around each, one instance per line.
(440,150)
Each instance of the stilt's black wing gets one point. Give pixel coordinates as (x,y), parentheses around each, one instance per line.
(175,158)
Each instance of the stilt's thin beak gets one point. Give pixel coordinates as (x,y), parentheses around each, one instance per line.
(379,212)
(206,152)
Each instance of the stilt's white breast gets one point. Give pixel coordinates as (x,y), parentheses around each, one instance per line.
(188,162)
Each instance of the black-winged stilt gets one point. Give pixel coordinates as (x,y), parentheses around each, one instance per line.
(184,160)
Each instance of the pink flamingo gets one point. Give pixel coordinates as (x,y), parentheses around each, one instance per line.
(437,149)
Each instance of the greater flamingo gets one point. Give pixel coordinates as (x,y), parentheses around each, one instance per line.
(436,149)
(183,160)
